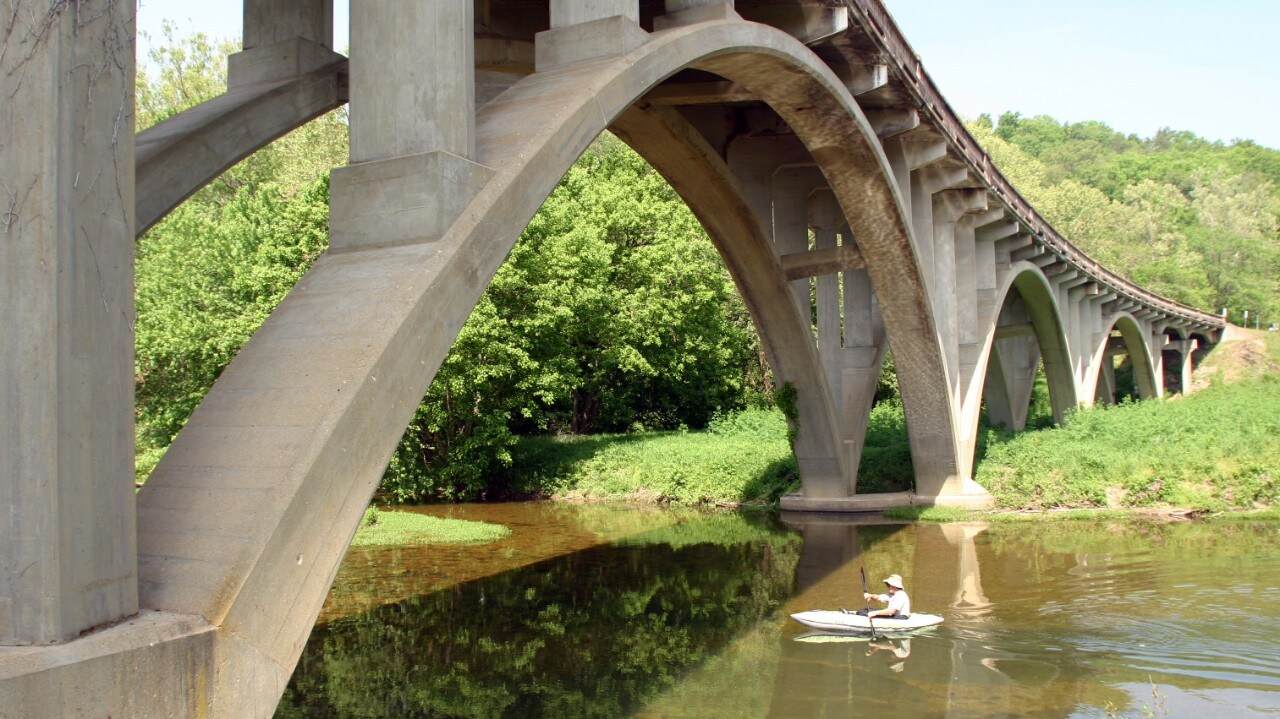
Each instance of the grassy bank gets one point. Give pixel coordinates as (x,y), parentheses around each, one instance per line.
(402,528)
(1213,450)
(744,459)
(1216,449)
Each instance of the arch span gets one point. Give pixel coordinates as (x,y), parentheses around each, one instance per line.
(1133,341)
(1025,328)
(237,523)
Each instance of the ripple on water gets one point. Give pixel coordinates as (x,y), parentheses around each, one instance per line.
(1192,618)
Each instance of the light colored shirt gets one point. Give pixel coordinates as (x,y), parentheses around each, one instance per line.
(898,600)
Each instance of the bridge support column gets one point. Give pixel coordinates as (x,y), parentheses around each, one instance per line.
(1011,376)
(1187,349)
(282,39)
(584,31)
(66,304)
(1106,394)
(412,126)
(790,190)
(949,207)
(850,330)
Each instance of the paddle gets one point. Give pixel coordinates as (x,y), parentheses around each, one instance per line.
(868,601)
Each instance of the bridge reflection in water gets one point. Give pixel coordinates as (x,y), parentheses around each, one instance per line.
(686,615)
(1073,617)
(956,671)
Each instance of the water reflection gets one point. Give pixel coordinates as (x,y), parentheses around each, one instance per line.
(587,612)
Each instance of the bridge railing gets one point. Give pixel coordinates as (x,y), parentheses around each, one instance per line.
(881,29)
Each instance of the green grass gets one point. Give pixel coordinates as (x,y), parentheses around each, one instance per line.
(1215,450)
(742,459)
(401,528)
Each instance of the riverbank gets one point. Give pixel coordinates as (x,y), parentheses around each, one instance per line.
(1215,450)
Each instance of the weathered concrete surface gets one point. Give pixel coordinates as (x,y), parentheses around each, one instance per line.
(66,308)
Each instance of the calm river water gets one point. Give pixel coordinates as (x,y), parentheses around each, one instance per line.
(604,611)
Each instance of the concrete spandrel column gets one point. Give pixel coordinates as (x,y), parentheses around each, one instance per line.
(825,218)
(790,189)
(282,39)
(1187,348)
(270,21)
(412,79)
(687,12)
(966,282)
(948,207)
(68,553)
(1107,381)
(412,125)
(586,30)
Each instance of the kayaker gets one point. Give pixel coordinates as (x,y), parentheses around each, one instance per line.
(897,599)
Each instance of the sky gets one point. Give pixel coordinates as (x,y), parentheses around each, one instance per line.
(1136,65)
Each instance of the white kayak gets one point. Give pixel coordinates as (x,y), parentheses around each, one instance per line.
(839,621)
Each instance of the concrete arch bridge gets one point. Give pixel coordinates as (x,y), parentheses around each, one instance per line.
(774,119)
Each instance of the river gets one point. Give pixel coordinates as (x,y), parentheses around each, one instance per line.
(609,611)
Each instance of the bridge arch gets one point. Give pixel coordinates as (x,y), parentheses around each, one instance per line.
(1134,341)
(1025,329)
(290,442)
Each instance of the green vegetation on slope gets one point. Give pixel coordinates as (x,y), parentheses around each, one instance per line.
(1215,449)
(1189,219)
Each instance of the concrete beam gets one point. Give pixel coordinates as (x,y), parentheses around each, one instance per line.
(827,261)
(996,231)
(1019,329)
(810,24)
(861,79)
(412,80)
(888,122)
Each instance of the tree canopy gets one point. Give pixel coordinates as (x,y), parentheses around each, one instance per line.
(1192,220)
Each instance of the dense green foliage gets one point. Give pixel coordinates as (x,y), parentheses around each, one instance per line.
(210,272)
(1215,449)
(1193,220)
(613,312)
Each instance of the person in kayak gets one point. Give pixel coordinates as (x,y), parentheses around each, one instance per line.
(897,599)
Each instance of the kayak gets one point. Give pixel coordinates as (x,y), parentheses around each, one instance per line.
(838,621)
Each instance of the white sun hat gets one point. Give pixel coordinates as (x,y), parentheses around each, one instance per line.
(894,581)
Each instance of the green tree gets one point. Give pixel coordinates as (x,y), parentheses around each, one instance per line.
(613,312)
(208,274)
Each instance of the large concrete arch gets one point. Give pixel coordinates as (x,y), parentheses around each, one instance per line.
(1139,349)
(678,152)
(237,524)
(1027,282)
(806,94)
